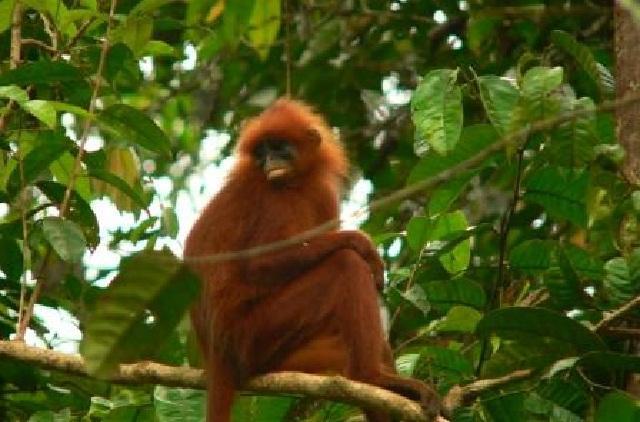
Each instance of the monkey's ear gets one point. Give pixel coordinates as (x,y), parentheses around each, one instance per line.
(314,136)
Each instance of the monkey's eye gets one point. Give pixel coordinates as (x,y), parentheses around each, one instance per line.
(274,148)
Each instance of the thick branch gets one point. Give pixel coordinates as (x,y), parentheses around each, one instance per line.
(322,387)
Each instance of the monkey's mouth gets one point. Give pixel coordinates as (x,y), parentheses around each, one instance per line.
(278,174)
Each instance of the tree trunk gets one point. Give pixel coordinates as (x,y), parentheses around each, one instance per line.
(627,54)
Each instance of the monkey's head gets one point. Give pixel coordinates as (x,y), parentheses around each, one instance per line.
(288,142)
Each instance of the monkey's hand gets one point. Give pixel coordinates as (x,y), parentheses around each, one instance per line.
(363,245)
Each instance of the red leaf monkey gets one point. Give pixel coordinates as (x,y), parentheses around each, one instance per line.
(311,307)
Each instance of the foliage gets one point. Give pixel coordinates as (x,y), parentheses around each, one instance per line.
(478,285)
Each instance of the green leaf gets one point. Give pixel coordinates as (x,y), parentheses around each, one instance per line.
(446,363)
(418,232)
(610,361)
(138,311)
(459,291)
(619,284)
(65,238)
(572,142)
(583,263)
(561,192)
(14,93)
(169,223)
(540,81)
(505,407)
(444,196)
(530,352)
(264,26)
(531,255)
(235,20)
(132,125)
(62,169)
(136,32)
(41,73)
(474,139)
(458,258)
(417,297)
(79,209)
(6,11)
(436,110)
(179,404)
(119,184)
(499,98)
(531,322)
(460,319)
(43,111)
(157,48)
(619,407)
(262,409)
(49,147)
(11,258)
(582,55)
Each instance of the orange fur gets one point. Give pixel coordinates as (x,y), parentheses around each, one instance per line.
(310,307)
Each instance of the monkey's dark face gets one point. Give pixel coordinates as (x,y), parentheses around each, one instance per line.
(276,158)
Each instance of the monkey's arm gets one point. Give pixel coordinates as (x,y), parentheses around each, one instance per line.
(288,263)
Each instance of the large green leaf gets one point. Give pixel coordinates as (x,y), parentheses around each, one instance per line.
(619,407)
(43,111)
(610,361)
(571,143)
(6,11)
(41,73)
(540,81)
(531,255)
(14,93)
(436,110)
(561,192)
(583,56)
(505,407)
(137,311)
(119,184)
(132,125)
(620,282)
(261,408)
(499,98)
(456,260)
(474,139)
(518,321)
(65,238)
(459,291)
(443,362)
(179,404)
(136,32)
(49,147)
(79,209)
(264,26)
(460,319)
(10,258)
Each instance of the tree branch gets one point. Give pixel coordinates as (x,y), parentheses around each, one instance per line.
(321,387)
(616,314)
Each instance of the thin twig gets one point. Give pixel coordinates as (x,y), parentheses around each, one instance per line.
(498,287)
(40,44)
(64,207)
(14,62)
(616,314)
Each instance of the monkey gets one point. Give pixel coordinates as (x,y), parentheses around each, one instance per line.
(310,307)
